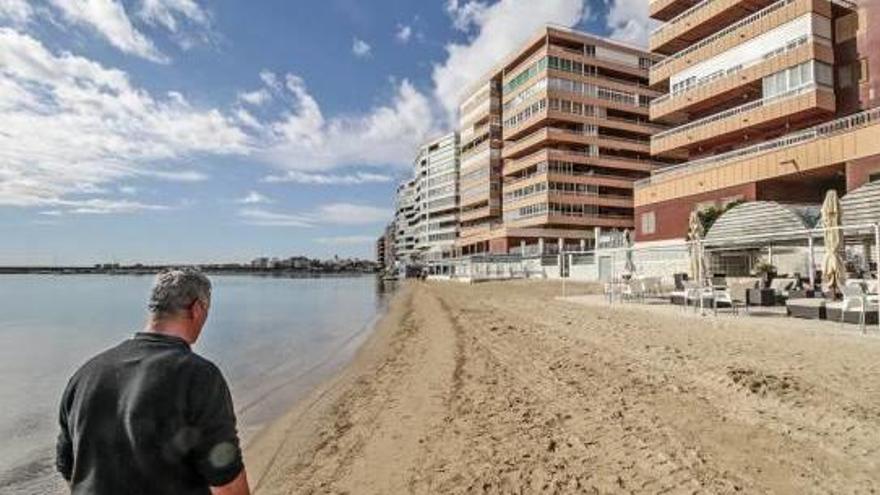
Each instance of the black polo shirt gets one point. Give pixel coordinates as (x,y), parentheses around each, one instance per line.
(150,417)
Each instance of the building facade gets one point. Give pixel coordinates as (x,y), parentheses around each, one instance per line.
(436,175)
(767,100)
(480,169)
(552,141)
(427,210)
(406,222)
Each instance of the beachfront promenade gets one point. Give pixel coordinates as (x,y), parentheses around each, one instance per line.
(504,388)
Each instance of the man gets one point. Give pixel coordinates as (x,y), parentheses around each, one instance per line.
(150,416)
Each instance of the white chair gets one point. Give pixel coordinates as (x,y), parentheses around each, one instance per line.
(854,299)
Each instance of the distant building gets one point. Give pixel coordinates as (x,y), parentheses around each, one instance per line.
(261,263)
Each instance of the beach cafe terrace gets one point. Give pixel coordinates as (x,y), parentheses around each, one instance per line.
(766,255)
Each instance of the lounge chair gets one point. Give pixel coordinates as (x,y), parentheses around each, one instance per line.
(782,287)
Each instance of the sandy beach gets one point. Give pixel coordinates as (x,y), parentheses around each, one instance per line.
(503,388)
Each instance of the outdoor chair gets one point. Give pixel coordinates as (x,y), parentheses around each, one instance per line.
(738,293)
(634,290)
(855,299)
(653,287)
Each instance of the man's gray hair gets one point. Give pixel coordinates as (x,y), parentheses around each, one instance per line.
(176,289)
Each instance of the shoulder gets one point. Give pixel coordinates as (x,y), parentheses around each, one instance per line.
(203,371)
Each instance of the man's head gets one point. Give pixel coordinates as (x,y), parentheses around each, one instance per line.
(179,302)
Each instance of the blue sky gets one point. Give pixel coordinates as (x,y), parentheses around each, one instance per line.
(194,131)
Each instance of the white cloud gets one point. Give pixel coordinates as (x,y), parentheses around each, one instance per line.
(357,178)
(109,19)
(404,33)
(128,190)
(16,11)
(361,48)
(256,98)
(628,21)
(304,140)
(497,29)
(99,206)
(72,126)
(346,240)
(254,198)
(167,13)
(329,214)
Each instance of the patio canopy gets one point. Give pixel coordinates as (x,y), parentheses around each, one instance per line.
(759,223)
(861,207)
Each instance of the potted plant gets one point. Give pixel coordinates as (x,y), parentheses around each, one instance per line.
(766,272)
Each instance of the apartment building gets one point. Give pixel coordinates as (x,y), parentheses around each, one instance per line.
(436,170)
(385,248)
(427,210)
(552,141)
(767,99)
(480,168)
(406,221)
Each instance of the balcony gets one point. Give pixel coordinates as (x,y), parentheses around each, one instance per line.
(700,20)
(848,138)
(549,136)
(724,84)
(663,10)
(572,220)
(589,158)
(791,105)
(760,22)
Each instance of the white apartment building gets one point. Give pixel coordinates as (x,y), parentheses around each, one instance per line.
(436,173)
(427,207)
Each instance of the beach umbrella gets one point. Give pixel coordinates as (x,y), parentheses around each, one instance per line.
(695,236)
(832,273)
(630,266)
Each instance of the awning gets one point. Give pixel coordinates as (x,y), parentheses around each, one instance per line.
(759,223)
(861,207)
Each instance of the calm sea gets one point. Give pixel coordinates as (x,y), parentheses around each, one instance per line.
(274,338)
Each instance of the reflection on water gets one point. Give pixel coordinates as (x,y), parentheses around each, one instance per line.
(272,337)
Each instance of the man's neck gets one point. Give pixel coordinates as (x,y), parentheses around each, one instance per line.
(173,328)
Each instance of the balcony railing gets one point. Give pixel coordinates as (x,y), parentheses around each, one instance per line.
(770,55)
(828,129)
(792,93)
(680,17)
(724,32)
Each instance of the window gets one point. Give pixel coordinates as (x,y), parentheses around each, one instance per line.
(863,70)
(649,223)
(874,177)
(845,76)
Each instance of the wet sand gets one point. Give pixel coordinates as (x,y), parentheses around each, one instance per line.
(502,388)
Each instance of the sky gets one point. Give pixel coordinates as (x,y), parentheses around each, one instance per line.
(190,131)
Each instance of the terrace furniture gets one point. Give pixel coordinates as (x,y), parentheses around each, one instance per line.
(739,297)
(653,287)
(782,288)
(762,297)
(808,308)
(854,308)
(634,290)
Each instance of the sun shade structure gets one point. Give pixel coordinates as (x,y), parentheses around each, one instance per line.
(761,222)
(861,207)
(630,266)
(695,248)
(833,273)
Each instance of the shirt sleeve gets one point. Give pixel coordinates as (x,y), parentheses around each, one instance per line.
(216,454)
(64,444)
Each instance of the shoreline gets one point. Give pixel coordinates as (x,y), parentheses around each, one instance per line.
(262,448)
